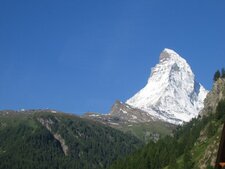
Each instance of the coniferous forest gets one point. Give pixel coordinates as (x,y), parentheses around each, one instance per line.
(25,143)
(192,145)
(179,151)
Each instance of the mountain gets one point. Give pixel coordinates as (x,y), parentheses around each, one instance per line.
(194,145)
(171,96)
(41,139)
(172,93)
(122,113)
(133,120)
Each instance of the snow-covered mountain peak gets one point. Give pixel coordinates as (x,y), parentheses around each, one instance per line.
(172,93)
(169,55)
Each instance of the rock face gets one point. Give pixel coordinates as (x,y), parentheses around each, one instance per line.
(172,93)
(47,123)
(215,95)
(130,114)
(134,121)
(122,113)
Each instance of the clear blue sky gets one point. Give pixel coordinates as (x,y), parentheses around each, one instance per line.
(82,55)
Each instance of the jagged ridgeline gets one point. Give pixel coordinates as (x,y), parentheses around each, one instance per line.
(48,139)
(192,146)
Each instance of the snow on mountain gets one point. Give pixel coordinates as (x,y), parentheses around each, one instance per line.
(172,94)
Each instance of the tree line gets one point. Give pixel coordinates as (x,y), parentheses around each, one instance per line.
(219,74)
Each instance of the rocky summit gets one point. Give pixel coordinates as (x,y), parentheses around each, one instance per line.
(172,93)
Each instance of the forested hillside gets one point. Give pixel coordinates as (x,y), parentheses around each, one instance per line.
(184,150)
(49,140)
(192,146)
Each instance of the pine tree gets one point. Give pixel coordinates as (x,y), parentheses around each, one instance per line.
(220,109)
(223,73)
(216,75)
(211,129)
(173,162)
(188,162)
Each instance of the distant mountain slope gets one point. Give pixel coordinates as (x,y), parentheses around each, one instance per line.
(41,139)
(133,120)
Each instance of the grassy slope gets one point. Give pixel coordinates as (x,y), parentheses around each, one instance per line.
(204,150)
(148,131)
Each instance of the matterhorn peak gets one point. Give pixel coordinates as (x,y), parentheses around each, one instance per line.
(169,54)
(172,93)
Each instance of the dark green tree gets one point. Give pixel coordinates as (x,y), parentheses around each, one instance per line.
(211,129)
(209,167)
(173,162)
(188,162)
(220,110)
(223,73)
(216,75)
